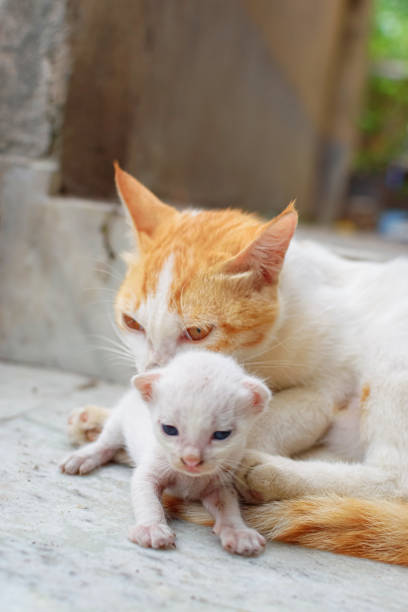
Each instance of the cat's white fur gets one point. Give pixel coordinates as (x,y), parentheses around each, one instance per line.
(198,393)
(162,326)
(343,326)
(343,334)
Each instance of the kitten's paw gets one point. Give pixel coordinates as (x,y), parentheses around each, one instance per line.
(246,542)
(249,487)
(86,423)
(82,462)
(158,535)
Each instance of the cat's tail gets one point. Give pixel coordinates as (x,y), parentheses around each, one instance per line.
(372,529)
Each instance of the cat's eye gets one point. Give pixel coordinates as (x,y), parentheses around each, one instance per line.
(170,430)
(221,435)
(131,323)
(196,333)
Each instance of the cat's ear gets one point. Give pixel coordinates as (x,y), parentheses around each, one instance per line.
(144,384)
(262,260)
(259,395)
(143,209)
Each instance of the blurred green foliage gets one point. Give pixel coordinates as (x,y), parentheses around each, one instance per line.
(384,121)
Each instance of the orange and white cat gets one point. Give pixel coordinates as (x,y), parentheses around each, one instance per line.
(329,336)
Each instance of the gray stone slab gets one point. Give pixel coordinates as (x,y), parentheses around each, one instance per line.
(60,266)
(63,538)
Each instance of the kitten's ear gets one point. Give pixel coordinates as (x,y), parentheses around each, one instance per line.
(145,211)
(259,394)
(264,256)
(144,384)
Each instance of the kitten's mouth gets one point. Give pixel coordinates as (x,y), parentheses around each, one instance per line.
(194,470)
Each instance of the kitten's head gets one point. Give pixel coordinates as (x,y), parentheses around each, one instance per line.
(204,279)
(202,407)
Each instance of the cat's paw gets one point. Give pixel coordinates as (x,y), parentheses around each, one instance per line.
(250,489)
(86,423)
(264,478)
(84,461)
(157,535)
(246,542)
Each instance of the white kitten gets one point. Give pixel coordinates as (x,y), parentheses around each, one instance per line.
(187,437)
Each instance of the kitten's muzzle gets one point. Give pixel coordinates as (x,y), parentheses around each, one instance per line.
(191,462)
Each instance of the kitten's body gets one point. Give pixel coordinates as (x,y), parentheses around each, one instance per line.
(326,333)
(210,404)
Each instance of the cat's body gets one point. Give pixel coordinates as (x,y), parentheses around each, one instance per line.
(327,335)
(186,437)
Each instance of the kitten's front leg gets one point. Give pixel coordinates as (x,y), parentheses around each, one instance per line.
(234,534)
(151,529)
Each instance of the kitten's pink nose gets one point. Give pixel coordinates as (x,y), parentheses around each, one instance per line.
(191,460)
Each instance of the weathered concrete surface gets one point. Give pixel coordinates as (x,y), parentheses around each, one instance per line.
(63,538)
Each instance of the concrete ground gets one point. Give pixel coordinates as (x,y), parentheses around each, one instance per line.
(63,538)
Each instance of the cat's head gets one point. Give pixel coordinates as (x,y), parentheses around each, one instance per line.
(202,406)
(206,279)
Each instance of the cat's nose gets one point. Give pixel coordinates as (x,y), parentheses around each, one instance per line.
(156,361)
(191,460)
(151,364)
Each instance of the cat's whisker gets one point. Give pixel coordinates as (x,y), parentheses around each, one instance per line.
(114,347)
(115,344)
(124,358)
(113,341)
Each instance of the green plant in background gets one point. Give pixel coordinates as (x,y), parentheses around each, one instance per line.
(384,121)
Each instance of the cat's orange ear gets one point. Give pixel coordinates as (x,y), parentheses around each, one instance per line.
(145,211)
(264,256)
(144,384)
(259,396)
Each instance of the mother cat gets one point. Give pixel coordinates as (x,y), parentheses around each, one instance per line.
(329,336)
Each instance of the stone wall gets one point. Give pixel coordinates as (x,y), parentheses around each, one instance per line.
(34,70)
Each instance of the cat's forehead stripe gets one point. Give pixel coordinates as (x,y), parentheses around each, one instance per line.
(156,301)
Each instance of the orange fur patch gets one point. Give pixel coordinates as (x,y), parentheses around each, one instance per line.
(372,529)
(365,393)
(193,512)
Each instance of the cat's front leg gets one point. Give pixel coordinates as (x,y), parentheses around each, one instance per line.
(235,535)
(296,419)
(151,529)
(86,423)
(97,453)
(265,478)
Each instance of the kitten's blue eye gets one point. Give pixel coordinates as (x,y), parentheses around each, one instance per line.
(170,430)
(221,435)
